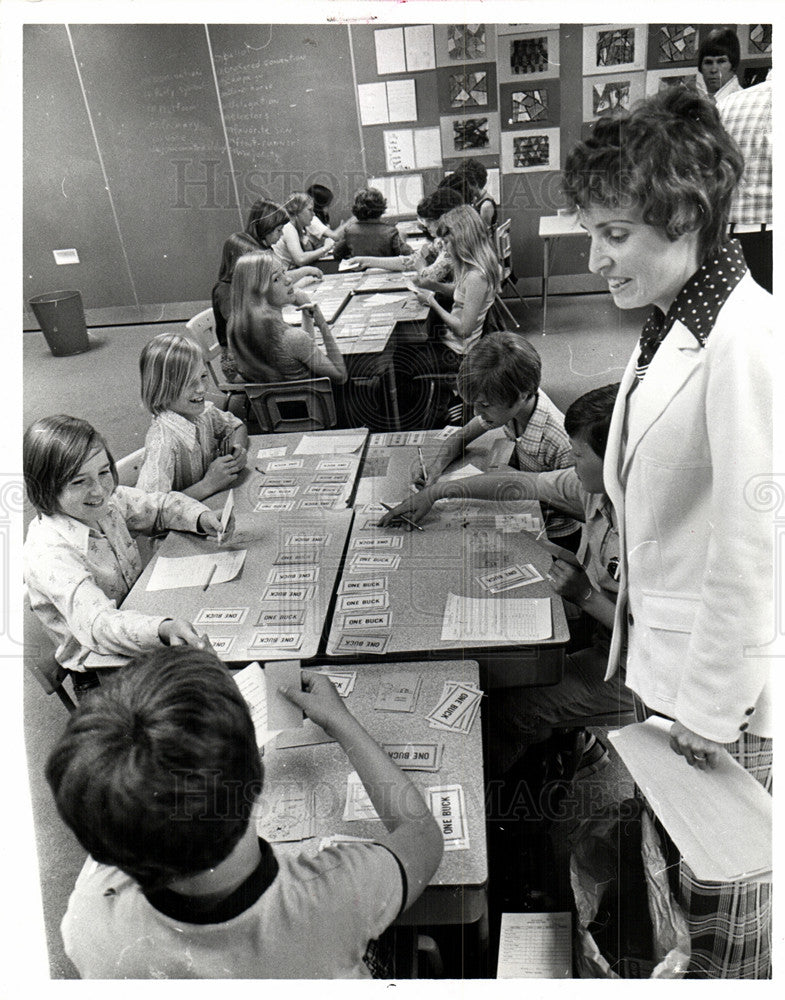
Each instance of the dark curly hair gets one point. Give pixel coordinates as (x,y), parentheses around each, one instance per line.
(158,769)
(670,157)
(590,416)
(369,203)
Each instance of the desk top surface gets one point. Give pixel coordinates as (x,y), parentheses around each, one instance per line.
(325,767)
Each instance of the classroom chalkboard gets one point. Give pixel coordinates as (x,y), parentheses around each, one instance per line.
(145,145)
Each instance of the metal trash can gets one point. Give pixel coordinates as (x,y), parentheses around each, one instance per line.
(62,321)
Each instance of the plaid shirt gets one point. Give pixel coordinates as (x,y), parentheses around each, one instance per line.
(746,115)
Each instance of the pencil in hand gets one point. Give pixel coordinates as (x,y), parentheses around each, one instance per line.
(403,517)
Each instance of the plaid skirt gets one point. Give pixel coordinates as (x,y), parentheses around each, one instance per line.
(729,922)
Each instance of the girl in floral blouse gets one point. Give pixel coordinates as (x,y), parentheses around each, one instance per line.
(80,560)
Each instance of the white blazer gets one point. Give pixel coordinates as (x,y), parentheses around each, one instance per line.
(687,453)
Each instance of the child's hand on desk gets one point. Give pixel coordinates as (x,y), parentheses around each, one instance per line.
(178,632)
(240,455)
(413,508)
(209,523)
(221,473)
(319,700)
(426,297)
(362,262)
(570,582)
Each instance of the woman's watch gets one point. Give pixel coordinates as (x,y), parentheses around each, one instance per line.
(588,595)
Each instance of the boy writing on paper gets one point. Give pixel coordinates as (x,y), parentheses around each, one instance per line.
(157,774)
(525,715)
(500,378)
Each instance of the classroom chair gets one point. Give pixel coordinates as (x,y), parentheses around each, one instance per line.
(503,246)
(128,468)
(39,659)
(202,329)
(301,405)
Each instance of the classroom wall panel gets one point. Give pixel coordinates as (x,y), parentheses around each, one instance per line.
(155,111)
(66,204)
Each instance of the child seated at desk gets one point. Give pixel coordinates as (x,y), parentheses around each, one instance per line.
(524,716)
(158,777)
(261,340)
(432,262)
(191,446)
(477,279)
(500,378)
(366,235)
(297,246)
(79,558)
(470,179)
(320,224)
(263,229)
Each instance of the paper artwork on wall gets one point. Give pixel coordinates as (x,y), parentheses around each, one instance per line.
(469,90)
(470,134)
(528,54)
(526,152)
(382,103)
(660,79)
(412,149)
(677,43)
(613,47)
(530,105)
(755,40)
(404,50)
(403,192)
(605,94)
(466,41)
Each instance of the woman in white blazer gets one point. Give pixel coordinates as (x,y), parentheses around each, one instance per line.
(689,452)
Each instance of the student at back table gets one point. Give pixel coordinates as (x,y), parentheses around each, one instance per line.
(157,775)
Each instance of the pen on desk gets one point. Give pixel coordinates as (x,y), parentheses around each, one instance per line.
(260,471)
(210,576)
(414,524)
(422,463)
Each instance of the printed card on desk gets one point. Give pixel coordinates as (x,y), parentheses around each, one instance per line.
(294,576)
(358,805)
(362,561)
(308,538)
(372,620)
(278,506)
(221,643)
(342,680)
(281,713)
(448,806)
(282,466)
(363,586)
(415,756)
(221,616)
(287,813)
(335,465)
(398,691)
(271,452)
(457,707)
(377,601)
(509,578)
(263,641)
(376,644)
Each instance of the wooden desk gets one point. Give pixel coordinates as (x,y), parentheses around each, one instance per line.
(461,540)
(457,893)
(552,227)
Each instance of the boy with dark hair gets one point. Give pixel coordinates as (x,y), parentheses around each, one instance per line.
(500,379)
(718,58)
(525,715)
(157,775)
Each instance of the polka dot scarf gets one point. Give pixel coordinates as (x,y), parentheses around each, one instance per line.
(697,305)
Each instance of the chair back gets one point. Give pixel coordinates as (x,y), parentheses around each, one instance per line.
(128,468)
(202,329)
(302,405)
(39,658)
(503,244)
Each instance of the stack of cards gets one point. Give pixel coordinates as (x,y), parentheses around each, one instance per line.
(457,707)
(398,692)
(343,680)
(509,578)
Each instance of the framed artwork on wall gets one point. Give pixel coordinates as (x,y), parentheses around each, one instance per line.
(467,88)
(526,152)
(527,55)
(470,134)
(464,43)
(611,48)
(532,103)
(677,76)
(602,94)
(754,40)
(677,43)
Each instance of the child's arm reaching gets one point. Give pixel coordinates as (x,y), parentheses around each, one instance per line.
(414,836)
(452,448)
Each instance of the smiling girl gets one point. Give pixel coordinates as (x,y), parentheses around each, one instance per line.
(259,337)
(80,560)
(191,446)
